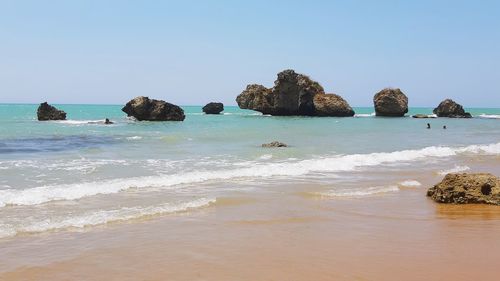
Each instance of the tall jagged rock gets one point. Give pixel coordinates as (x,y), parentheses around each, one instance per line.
(293,94)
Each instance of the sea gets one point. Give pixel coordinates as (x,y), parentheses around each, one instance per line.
(58,176)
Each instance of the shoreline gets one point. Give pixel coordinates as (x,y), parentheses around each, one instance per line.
(283,233)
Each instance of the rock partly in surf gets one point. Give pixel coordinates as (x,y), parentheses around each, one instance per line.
(451,109)
(391,103)
(47,112)
(293,94)
(213,108)
(275,144)
(145,109)
(467,189)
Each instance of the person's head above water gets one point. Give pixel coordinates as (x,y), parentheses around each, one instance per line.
(444,127)
(428,126)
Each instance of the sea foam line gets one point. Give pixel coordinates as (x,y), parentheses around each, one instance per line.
(43,194)
(374,190)
(103,217)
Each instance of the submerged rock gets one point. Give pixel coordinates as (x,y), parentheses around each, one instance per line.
(293,94)
(451,109)
(466,189)
(47,112)
(391,103)
(213,108)
(145,109)
(275,144)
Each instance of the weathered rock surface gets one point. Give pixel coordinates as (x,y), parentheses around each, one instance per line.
(467,189)
(293,94)
(275,144)
(47,112)
(451,109)
(332,105)
(391,103)
(145,109)
(213,108)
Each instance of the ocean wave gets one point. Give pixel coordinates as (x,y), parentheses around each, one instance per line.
(489,116)
(43,194)
(456,169)
(359,192)
(103,217)
(410,183)
(80,122)
(134,138)
(365,115)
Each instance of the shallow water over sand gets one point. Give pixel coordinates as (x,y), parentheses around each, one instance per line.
(201,200)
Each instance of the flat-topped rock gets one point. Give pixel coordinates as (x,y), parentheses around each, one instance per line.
(467,188)
(293,94)
(391,103)
(48,112)
(145,109)
(213,108)
(451,109)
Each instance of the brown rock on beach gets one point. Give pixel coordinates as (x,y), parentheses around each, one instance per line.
(467,188)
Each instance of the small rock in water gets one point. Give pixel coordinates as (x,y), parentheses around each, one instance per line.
(275,144)
(467,188)
(47,112)
(213,108)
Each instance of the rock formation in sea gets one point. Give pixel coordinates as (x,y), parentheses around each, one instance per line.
(47,112)
(145,109)
(451,109)
(213,108)
(293,94)
(275,144)
(391,103)
(467,188)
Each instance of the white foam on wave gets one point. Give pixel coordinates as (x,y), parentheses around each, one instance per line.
(489,116)
(134,138)
(360,192)
(456,169)
(266,157)
(410,183)
(364,115)
(103,217)
(79,122)
(42,194)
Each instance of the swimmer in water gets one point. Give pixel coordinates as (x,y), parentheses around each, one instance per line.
(107,122)
(428,126)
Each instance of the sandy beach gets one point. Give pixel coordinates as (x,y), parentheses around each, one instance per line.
(289,233)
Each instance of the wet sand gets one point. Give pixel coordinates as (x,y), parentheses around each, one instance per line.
(275,236)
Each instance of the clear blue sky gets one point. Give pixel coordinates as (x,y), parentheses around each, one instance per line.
(193,52)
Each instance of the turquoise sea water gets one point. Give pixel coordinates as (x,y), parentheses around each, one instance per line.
(75,173)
